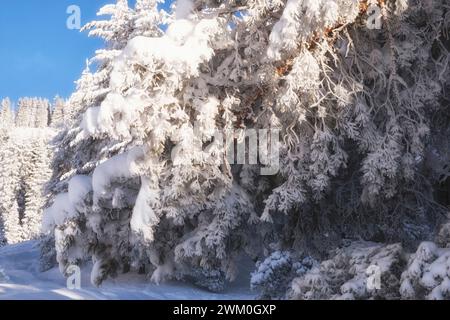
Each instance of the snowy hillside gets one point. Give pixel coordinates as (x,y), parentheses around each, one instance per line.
(21,279)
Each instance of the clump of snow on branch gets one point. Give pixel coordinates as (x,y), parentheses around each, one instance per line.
(427,275)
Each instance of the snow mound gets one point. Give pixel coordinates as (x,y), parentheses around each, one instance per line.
(348,274)
(428,274)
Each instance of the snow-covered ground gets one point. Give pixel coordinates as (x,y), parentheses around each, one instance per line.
(21,279)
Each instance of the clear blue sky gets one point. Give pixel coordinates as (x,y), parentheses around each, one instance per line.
(39,56)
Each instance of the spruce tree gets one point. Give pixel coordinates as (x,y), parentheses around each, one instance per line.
(6,114)
(60,112)
(359,110)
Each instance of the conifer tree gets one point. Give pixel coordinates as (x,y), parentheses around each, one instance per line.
(12,190)
(60,113)
(23,112)
(149,188)
(24,169)
(6,114)
(38,175)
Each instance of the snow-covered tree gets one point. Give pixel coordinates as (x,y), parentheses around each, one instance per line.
(6,114)
(42,113)
(8,204)
(358,109)
(60,112)
(39,174)
(12,188)
(147,20)
(6,167)
(33,113)
(91,90)
(23,117)
(114,31)
(6,125)
(24,170)
(426,275)
(358,270)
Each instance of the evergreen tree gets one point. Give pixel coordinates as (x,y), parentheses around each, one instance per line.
(147,20)
(150,189)
(33,113)
(12,190)
(6,114)
(60,114)
(42,113)
(114,31)
(23,175)
(92,88)
(23,118)
(38,174)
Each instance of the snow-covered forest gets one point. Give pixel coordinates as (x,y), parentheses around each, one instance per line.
(25,158)
(131,174)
